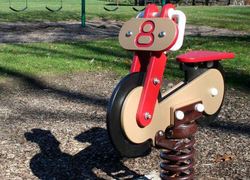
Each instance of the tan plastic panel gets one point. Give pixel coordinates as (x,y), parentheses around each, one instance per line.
(198,89)
(160,25)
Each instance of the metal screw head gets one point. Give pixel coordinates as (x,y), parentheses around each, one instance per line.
(147,116)
(129,33)
(162,34)
(214,92)
(156,81)
(210,64)
(179,115)
(199,107)
(161,133)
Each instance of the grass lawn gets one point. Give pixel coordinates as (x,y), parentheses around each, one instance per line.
(52,58)
(235,18)
(36,59)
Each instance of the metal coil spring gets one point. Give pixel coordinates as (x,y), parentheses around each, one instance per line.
(179,163)
(178,154)
(178,144)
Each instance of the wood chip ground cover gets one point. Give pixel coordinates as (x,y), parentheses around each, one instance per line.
(55,129)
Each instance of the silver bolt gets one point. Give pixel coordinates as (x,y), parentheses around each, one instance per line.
(161,133)
(179,115)
(214,92)
(162,34)
(129,33)
(156,81)
(210,64)
(199,107)
(147,116)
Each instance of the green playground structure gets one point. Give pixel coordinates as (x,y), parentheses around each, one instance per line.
(83,15)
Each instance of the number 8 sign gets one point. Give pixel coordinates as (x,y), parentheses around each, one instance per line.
(148,34)
(145,38)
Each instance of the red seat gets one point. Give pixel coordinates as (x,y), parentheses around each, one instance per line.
(203,56)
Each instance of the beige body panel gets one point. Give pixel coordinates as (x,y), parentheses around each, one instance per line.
(196,90)
(159,42)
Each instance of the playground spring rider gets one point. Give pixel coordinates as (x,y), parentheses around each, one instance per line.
(140,116)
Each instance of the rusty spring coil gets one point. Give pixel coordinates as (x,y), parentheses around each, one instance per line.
(178,144)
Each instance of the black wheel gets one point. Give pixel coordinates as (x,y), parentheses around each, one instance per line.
(194,70)
(121,143)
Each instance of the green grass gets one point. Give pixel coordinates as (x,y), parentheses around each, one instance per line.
(55,58)
(235,18)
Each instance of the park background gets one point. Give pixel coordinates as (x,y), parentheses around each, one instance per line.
(56,78)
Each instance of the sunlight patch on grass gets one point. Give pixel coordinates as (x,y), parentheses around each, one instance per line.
(107,55)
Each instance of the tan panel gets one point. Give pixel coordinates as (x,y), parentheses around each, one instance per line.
(147,28)
(144,40)
(128,117)
(178,106)
(198,89)
(133,27)
(173,88)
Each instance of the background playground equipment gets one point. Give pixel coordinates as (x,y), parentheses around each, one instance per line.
(117,3)
(18,10)
(140,116)
(83,14)
(145,2)
(11,7)
(72,12)
(112,9)
(55,10)
(24,7)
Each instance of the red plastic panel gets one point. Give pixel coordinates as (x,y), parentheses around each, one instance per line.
(164,14)
(165,8)
(150,11)
(203,56)
(144,34)
(154,64)
(140,62)
(151,90)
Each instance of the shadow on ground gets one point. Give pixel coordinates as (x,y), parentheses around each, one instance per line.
(227,126)
(52,163)
(55,31)
(40,85)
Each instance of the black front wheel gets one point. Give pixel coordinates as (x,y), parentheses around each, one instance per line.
(120,141)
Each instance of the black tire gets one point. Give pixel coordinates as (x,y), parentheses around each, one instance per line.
(191,73)
(122,144)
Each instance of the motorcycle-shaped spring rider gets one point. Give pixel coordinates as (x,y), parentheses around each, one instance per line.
(140,116)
